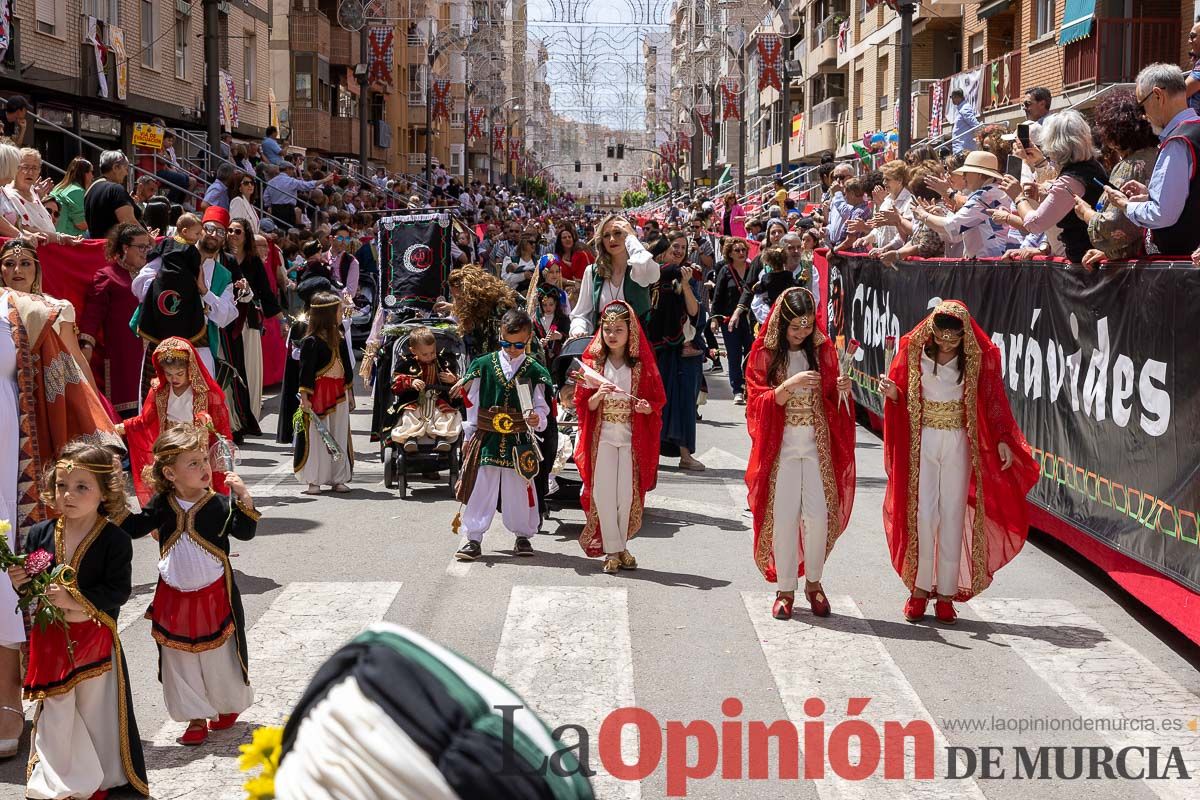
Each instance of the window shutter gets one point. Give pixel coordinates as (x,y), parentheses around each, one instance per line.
(45,11)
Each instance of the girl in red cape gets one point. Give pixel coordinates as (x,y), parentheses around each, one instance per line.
(958,466)
(803,441)
(619,425)
(182,392)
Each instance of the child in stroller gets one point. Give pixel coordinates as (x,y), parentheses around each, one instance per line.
(421,382)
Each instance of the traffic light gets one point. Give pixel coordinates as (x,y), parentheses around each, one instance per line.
(599,167)
(620,151)
(578,167)
(611,151)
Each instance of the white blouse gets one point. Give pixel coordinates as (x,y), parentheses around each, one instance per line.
(942,387)
(180,407)
(616,433)
(187,566)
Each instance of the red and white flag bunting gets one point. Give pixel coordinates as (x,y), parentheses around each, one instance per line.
(770,49)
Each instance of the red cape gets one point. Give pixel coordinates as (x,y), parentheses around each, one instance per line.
(996,522)
(765,418)
(208,403)
(645,384)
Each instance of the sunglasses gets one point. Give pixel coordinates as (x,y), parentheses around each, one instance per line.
(343,238)
(247,183)
(1141,104)
(512,345)
(214,230)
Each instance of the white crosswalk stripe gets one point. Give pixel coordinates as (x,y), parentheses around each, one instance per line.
(304,625)
(842,658)
(1102,678)
(567,652)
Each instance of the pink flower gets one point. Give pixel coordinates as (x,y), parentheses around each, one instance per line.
(38,562)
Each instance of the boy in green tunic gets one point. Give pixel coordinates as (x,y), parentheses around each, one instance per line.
(500,459)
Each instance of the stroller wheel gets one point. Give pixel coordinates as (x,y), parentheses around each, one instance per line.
(401,474)
(389,467)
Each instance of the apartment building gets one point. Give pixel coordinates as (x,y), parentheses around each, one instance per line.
(96,67)
(488,81)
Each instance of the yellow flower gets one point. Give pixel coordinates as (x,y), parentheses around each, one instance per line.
(264,749)
(260,788)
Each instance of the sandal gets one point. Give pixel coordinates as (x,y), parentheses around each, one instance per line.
(9,747)
(341,488)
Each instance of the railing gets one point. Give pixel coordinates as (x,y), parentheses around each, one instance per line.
(827,111)
(827,27)
(1118,49)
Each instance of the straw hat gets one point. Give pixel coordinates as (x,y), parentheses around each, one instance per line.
(982,162)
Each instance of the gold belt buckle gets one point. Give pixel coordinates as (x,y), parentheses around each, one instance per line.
(503,422)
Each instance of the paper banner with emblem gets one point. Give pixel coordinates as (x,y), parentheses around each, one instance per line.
(118,47)
(5,26)
(229,101)
(381,57)
(498,139)
(441,99)
(729,99)
(95,37)
(935,109)
(770,50)
(415,252)
(684,142)
(475,122)
(843,38)
(705,116)
(514,147)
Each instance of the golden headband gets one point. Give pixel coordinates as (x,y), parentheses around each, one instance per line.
(68,465)
(946,334)
(18,248)
(326,305)
(172,352)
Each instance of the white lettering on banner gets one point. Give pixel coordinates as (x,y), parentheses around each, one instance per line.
(1147,395)
(871,317)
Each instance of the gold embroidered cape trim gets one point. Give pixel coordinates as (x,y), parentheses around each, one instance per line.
(591,529)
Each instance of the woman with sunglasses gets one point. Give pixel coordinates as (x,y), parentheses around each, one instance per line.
(518,268)
(731,283)
(242,204)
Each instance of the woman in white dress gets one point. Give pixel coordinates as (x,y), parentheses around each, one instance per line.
(242,204)
(21,203)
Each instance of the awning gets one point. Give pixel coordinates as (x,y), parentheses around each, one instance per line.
(1077,20)
(993,7)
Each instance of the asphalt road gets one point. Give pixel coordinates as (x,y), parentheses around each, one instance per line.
(1052,643)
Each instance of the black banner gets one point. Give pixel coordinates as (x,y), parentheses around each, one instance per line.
(1102,370)
(415,253)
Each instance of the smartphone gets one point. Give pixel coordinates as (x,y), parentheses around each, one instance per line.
(1013,167)
(1023,134)
(1102,184)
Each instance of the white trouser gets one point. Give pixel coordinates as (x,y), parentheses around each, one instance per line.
(612,494)
(203,685)
(799,504)
(77,739)
(941,508)
(252,353)
(520,517)
(441,424)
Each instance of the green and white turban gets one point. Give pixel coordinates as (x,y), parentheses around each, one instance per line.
(395,716)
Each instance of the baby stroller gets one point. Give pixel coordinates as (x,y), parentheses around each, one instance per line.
(427,458)
(567,484)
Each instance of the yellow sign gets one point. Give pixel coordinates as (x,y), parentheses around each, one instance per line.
(147,135)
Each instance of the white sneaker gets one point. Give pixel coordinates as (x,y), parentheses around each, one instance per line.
(739,399)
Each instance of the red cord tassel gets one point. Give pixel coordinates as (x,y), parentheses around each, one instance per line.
(529,493)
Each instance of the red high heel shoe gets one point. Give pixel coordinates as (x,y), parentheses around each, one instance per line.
(944,611)
(782,609)
(914,608)
(818,602)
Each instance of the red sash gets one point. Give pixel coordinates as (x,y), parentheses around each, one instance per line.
(193,622)
(51,670)
(327,394)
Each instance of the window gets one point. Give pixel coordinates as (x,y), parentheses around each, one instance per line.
(302,90)
(50,18)
(1043,14)
(975,46)
(347,103)
(456,159)
(182,36)
(249,64)
(149,33)
(416,84)
(107,11)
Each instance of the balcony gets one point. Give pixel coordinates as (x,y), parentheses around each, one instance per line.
(827,111)
(1003,73)
(823,47)
(343,134)
(310,128)
(308,32)
(1118,49)
(343,47)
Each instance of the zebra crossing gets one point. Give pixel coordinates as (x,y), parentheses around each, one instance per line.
(569,652)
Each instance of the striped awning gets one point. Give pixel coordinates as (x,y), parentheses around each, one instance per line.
(1077,20)
(993,7)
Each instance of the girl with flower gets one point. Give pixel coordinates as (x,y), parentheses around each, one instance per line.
(196,614)
(801,473)
(619,425)
(327,392)
(85,739)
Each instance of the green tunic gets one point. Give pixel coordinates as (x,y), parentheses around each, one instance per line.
(636,295)
(496,449)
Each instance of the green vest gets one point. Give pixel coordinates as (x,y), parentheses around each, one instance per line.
(496,449)
(636,295)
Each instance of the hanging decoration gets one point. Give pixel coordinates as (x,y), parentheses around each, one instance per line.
(729,99)
(514,147)
(5,26)
(95,37)
(770,50)
(441,99)
(706,119)
(229,101)
(475,122)
(935,110)
(843,38)
(685,143)
(667,151)
(118,47)
(381,57)
(498,139)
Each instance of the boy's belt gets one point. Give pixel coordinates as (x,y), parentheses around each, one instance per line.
(502,420)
